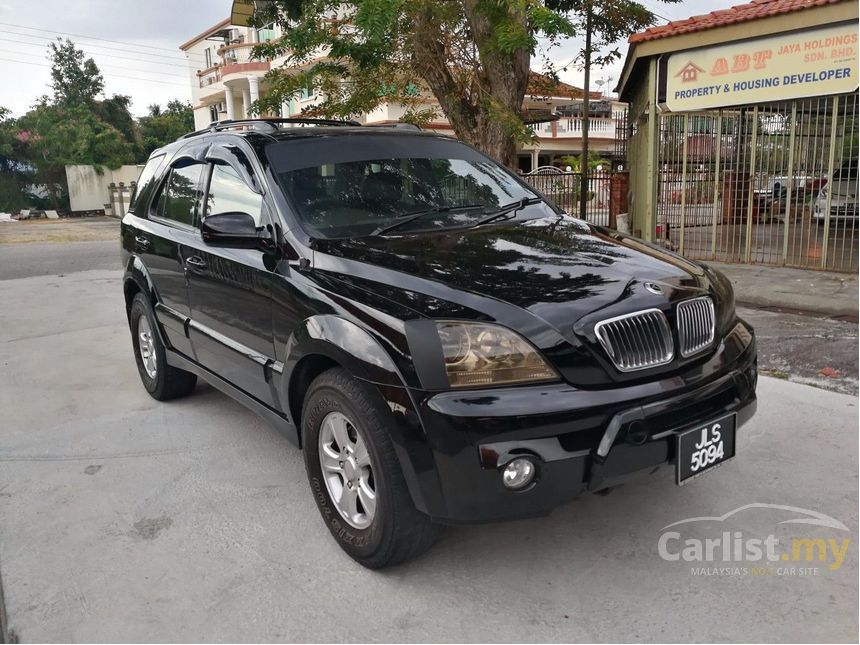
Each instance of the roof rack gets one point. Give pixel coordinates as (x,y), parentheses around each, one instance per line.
(400,125)
(270,124)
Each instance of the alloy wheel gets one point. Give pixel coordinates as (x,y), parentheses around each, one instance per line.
(146,347)
(347,470)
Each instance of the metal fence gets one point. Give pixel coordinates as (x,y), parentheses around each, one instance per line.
(564,188)
(772,184)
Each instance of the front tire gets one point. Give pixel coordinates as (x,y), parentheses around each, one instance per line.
(355,476)
(161,380)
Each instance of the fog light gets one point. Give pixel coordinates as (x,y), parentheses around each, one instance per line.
(518,473)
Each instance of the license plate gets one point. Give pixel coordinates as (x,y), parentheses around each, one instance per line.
(705,446)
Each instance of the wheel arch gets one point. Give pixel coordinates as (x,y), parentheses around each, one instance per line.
(325,341)
(137,280)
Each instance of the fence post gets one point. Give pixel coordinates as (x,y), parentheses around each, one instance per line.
(121,211)
(790,192)
(619,184)
(830,162)
(683,218)
(112,198)
(751,194)
(717,191)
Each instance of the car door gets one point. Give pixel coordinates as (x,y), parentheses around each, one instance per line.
(162,240)
(231,306)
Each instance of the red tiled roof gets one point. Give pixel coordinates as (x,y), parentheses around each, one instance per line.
(542,85)
(740,13)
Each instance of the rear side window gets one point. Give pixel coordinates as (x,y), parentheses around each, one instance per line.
(145,183)
(228,193)
(181,194)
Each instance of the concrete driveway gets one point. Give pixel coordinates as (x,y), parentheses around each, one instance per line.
(122,519)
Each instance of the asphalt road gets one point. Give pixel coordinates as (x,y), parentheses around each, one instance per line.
(38,258)
(125,519)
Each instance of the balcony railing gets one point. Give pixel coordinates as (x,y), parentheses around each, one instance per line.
(571,128)
(233,58)
(209,76)
(237,53)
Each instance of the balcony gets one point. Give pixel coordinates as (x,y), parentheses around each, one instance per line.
(571,128)
(236,58)
(210,76)
(233,59)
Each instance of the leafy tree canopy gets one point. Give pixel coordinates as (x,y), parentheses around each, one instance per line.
(161,126)
(74,79)
(75,124)
(472,55)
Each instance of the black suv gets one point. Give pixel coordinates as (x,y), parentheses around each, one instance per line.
(441,340)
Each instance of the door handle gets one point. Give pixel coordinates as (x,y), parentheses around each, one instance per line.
(196,262)
(141,243)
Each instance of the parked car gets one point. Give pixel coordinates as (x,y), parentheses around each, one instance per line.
(441,341)
(842,191)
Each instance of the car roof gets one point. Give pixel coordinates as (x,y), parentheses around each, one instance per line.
(268,132)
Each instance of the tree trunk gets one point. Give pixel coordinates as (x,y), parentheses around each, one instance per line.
(480,113)
(490,137)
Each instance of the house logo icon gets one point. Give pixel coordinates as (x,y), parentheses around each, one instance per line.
(690,73)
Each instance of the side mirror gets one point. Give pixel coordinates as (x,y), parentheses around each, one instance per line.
(236,230)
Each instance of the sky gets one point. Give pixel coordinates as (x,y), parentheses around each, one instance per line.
(136,45)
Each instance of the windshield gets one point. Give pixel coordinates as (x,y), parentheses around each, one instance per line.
(361,185)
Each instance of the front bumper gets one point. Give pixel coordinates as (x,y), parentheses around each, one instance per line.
(581,439)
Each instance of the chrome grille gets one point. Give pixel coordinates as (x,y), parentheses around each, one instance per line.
(636,341)
(695,325)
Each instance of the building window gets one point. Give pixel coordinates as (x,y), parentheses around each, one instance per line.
(207,56)
(307,91)
(213,113)
(266,33)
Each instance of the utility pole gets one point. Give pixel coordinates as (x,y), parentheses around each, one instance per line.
(583,164)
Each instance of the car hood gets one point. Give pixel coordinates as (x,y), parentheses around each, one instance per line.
(557,268)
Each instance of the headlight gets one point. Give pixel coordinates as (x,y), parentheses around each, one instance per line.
(482,354)
(725,303)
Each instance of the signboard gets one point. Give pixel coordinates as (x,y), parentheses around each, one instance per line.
(817,62)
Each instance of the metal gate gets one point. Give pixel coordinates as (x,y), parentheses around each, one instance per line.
(771,184)
(564,189)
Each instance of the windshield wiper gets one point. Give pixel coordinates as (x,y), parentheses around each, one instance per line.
(508,210)
(409,217)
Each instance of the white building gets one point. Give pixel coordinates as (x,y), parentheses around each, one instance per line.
(225,81)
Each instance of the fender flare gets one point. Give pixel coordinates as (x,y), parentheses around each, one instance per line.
(357,351)
(136,271)
(344,342)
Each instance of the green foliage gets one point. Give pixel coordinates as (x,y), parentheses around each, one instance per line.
(161,127)
(13,174)
(594,160)
(74,79)
(472,55)
(611,22)
(75,126)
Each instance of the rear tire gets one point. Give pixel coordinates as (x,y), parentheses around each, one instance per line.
(387,529)
(161,380)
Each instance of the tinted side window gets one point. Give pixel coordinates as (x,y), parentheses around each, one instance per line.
(145,183)
(180,195)
(228,193)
